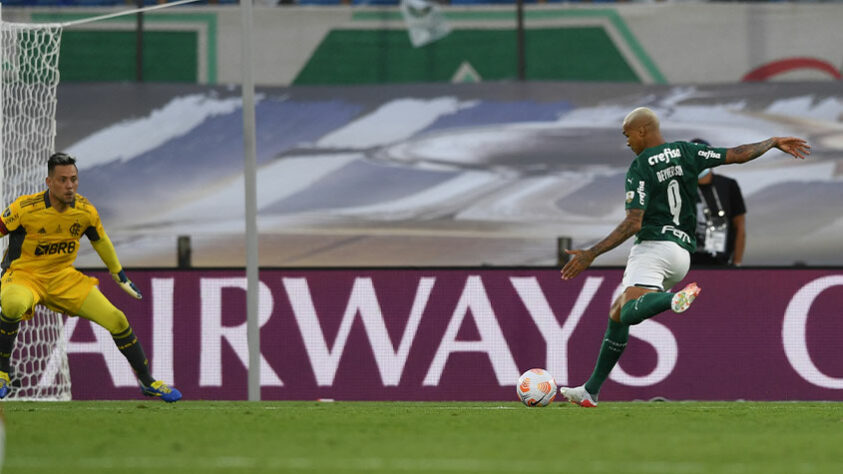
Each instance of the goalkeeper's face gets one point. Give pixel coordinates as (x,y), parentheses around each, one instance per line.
(63,182)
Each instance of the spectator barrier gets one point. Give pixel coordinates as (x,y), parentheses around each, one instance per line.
(466,334)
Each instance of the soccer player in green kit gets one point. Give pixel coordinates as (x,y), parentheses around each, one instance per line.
(661,187)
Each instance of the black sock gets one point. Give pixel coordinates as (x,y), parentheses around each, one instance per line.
(133,352)
(8,334)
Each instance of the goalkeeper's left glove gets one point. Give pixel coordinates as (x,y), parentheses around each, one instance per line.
(126,284)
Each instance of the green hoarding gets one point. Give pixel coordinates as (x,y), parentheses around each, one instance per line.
(356,56)
(168,56)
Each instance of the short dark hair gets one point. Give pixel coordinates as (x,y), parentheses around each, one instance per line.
(701,141)
(59,159)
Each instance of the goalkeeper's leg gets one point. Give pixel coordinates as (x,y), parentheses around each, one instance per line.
(16,301)
(98,309)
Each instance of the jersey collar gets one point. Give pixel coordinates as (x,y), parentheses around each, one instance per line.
(48,204)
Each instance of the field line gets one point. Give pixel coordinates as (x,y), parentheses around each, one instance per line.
(377,464)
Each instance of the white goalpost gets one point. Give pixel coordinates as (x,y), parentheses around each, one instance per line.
(28,81)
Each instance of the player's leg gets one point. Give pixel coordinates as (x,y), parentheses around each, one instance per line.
(98,309)
(636,276)
(615,339)
(72,292)
(659,266)
(614,342)
(613,345)
(649,268)
(643,303)
(17,301)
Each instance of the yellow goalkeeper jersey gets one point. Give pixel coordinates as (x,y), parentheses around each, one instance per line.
(42,239)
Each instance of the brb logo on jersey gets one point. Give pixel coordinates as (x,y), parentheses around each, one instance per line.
(55,248)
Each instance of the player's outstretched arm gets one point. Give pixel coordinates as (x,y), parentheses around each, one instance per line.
(105,249)
(581,259)
(794,146)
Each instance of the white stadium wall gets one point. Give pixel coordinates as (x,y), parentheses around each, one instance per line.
(659,43)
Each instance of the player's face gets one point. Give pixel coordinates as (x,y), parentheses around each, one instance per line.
(63,183)
(633,139)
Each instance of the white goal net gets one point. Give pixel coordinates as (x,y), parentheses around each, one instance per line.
(30,75)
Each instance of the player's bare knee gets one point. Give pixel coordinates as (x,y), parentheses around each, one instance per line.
(615,310)
(615,315)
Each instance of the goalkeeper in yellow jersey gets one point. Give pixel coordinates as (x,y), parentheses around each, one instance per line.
(44,231)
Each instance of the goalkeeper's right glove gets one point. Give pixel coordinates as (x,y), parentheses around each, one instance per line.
(127,285)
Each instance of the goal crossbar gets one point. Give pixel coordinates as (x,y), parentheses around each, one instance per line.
(124,12)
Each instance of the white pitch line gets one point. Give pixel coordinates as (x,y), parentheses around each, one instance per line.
(370,464)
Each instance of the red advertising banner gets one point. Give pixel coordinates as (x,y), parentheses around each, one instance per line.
(467,334)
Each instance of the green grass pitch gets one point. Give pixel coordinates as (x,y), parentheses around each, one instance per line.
(414,437)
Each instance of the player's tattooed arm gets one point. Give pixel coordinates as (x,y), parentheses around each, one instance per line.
(626,229)
(750,151)
(797,147)
(581,259)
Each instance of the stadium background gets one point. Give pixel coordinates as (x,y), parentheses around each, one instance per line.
(373,153)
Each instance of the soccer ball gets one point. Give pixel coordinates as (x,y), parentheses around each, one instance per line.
(536,388)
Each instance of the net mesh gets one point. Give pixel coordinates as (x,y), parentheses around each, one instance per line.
(30,76)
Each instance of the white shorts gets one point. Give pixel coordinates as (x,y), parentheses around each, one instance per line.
(656,264)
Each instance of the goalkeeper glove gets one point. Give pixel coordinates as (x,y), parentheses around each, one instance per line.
(126,284)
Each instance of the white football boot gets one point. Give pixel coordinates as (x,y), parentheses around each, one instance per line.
(682,300)
(578,396)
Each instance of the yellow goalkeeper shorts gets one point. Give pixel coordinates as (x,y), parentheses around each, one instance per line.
(62,290)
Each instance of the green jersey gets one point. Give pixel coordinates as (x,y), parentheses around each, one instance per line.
(663,182)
